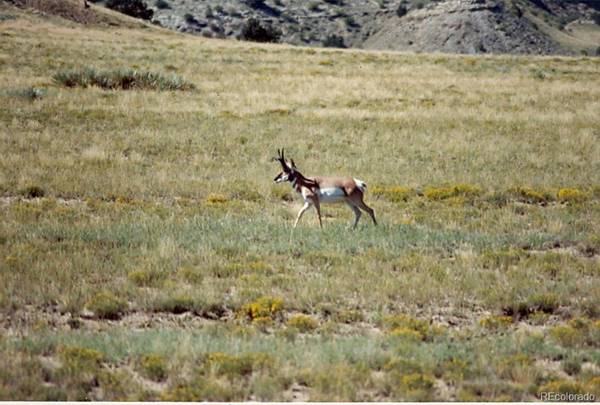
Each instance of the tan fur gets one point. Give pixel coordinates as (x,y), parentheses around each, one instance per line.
(354,196)
(346,183)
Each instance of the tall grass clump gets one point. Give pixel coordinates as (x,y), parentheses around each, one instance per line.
(28,93)
(122,79)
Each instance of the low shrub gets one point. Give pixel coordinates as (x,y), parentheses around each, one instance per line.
(134,8)
(572,366)
(121,79)
(418,381)
(593,386)
(393,194)
(263,323)
(117,385)
(228,270)
(406,327)
(350,21)
(162,5)
(314,6)
(32,192)
(303,323)
(177,304)
(562,387)
(7,17)
(496,322)
(512,367)
(582,324)
(254,30)
(403,365)
(146,278)
(459,190)
(407,333)
(571,195)
(255,3)
(547,303)
(453,369)
(29,93)
(538,318)
(153,367)
(191,275)
(200,390)
(501,259)
(105,305)
(567,336)
(594,333)
(336,382)
(334,41)
(401,10)
(190,19)
(216,199)
(80,358)
(350,316)
(412,387)
(236,366)
(263,307)
(530,196)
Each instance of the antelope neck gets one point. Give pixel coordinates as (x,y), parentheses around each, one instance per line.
(299,182)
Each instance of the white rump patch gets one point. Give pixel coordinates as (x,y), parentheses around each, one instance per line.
(331,195)
(360,184)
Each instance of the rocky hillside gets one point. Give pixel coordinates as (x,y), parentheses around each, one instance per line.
(464,26)
(452,26)
(455,26)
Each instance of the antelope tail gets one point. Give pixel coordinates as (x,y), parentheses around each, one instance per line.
(360,184)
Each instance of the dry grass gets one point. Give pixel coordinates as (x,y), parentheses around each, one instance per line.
(133,210)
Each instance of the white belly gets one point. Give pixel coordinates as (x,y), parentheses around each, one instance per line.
(331,195)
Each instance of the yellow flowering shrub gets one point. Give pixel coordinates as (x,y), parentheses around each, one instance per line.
(458,190)
(496,322)
(263,307)
(393,194)
(216,199)
(571,195)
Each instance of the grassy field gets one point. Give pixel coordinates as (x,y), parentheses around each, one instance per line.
(146,255)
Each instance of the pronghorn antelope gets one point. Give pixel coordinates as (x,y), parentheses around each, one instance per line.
(324,190)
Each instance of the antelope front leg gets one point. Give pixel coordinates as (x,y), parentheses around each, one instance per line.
(301,212)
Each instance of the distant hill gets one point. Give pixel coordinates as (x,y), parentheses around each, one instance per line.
(451,26)
(76,11)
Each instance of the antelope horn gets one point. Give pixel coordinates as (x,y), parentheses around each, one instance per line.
(281,158)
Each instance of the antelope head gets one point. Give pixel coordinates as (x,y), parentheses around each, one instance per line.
(288,171)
